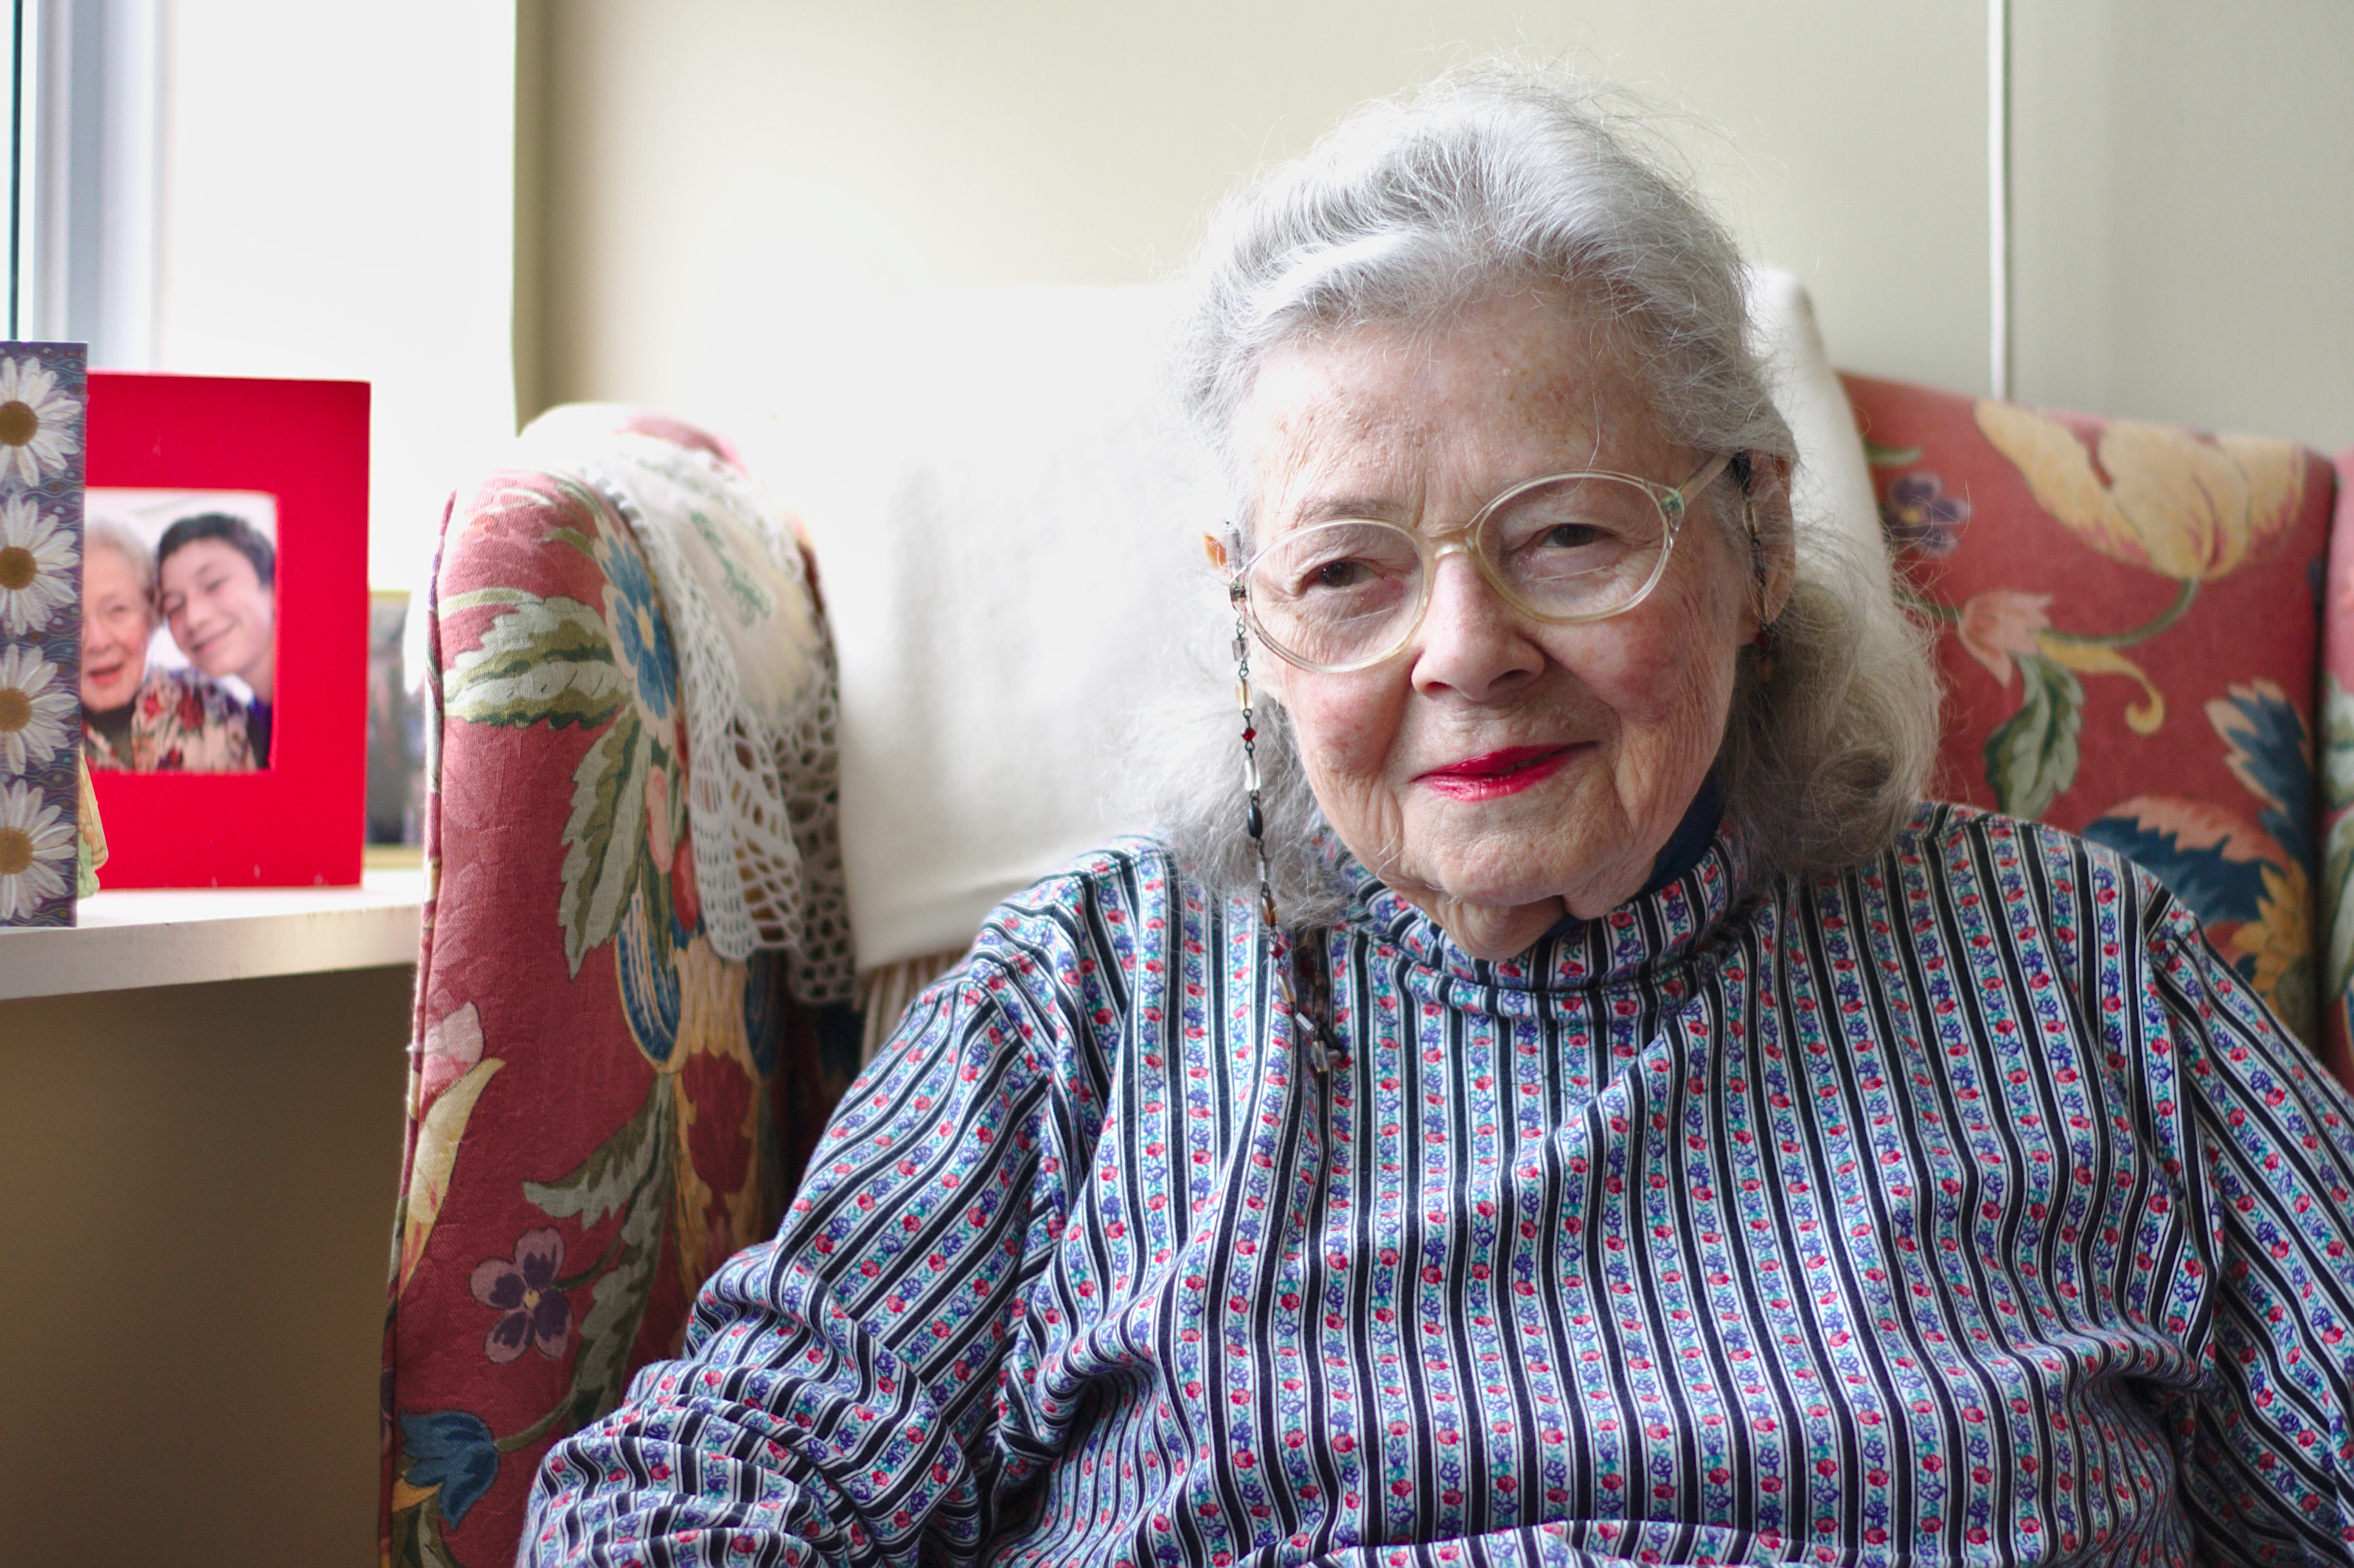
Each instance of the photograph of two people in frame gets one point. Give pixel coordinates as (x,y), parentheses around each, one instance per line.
(180,630)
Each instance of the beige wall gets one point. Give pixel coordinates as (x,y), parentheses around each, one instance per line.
(200,1186)
(723,176)
(719,182)
(2184,177)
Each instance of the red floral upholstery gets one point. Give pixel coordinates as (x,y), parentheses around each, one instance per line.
(2128,624)
(601,1109)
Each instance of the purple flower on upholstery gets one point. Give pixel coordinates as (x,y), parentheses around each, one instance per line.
(524,1290)
(1919,516)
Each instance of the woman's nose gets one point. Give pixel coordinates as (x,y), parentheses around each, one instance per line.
(1472,643)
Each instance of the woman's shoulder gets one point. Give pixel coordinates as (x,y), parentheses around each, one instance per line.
(1129,879)
(2012,860)
(1055,968)
(185,721)
(175,683)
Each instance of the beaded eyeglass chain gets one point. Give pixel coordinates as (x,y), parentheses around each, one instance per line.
(1321,1046)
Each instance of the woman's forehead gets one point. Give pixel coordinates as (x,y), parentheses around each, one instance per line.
(1496,393)
(102,559)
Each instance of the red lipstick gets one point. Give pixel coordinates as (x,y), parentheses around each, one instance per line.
(1493,775)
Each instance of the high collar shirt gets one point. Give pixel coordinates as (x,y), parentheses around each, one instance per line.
(1965,1208)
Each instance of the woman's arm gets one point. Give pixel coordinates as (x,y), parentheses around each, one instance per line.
(2267,1150)
(838,1394)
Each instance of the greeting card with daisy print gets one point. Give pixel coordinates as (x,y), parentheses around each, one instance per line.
(43,392)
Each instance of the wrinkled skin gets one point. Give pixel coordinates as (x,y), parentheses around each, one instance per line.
(117,620)
(1422,428)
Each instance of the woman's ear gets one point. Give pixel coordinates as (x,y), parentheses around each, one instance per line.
(1772,533)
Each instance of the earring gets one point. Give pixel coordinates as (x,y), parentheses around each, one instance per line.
(1764,642)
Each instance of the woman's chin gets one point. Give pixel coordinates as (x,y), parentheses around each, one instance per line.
(1496,932)
(1529,877)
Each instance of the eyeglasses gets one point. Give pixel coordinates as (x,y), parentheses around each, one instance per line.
(1561,548)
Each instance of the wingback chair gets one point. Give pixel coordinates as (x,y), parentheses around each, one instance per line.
(2146,635)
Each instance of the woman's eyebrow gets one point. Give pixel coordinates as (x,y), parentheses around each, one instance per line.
(1346,507)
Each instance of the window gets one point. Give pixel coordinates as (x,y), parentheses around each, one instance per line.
(277,188)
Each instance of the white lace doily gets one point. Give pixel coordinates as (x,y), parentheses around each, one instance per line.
(758,680)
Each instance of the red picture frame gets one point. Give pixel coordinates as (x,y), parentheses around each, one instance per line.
(301,821)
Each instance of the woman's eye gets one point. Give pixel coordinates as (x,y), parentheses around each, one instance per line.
(1339,575)
(1570,536)
(1555,543)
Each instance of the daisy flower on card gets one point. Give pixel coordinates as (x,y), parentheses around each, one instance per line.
(37,561)
(36,850)
(34,707)
(36,421)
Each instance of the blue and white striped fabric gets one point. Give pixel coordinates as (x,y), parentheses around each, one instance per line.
(1968,1208)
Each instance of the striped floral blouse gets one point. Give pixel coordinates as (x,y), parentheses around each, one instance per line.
(1967,1208)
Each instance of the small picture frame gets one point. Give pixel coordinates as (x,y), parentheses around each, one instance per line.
(42,411)
(395,737)
(227,738)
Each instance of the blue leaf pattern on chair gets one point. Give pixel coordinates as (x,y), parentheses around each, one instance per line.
(2247,881)
(2270,752)
(2200,852)
(454,1450)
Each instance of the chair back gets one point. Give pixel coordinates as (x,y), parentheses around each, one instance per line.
(2130,622)
(601,1108)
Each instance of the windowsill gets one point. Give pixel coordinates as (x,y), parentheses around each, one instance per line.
(145,936)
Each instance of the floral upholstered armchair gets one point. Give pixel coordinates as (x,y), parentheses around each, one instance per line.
(602,1108)
(2146,636)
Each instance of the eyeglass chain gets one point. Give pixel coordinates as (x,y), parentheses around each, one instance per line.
(1310,976)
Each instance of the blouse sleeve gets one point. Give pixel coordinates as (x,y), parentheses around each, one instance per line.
(838,1401)
(2264,1144)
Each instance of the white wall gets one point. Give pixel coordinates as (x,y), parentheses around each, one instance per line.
(338,201)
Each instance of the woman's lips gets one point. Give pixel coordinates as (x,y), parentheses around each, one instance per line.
(1495,774)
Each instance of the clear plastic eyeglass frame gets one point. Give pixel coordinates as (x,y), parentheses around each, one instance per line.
(1673,501)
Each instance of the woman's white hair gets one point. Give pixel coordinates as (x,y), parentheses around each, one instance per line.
(1495,180)
(106,534)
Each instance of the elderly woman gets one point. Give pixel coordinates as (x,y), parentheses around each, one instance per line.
(138,715)
(1588,1112)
